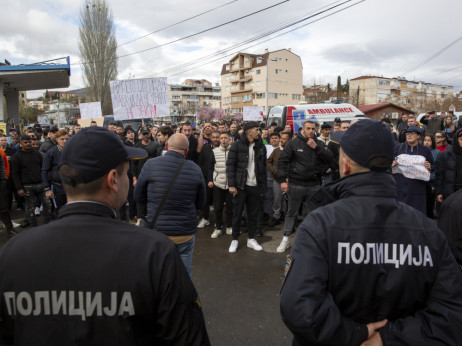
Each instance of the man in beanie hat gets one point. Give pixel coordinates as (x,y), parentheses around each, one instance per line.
(246,172)
(90,279)
(367,267)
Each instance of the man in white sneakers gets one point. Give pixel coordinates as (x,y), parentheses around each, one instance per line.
(219,182)
(246,171)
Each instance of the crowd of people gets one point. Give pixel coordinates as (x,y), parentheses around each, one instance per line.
(254,176)
(276,186)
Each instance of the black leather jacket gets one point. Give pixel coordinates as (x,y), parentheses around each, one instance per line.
(365,257)
(302,164)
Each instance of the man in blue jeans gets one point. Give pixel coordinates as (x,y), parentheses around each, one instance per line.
(177,219)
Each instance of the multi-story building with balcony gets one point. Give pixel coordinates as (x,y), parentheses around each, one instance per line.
(419,96)
(264,80)
(187,98)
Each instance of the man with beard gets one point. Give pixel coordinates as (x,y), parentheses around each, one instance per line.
(299,170)
(27,177)
(50,171)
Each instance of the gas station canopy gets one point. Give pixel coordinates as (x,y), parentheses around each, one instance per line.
(35,77)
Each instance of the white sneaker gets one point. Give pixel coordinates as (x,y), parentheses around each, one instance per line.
(41,207)
(233,246)
(203,223)
(212,209)
(252,243)
(283,246)
(37,211)
(216,233)
(15,224)
(229,230)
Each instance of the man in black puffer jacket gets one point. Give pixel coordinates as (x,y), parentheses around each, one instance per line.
(449,169)
(299,170)
(364,257)
(246,171)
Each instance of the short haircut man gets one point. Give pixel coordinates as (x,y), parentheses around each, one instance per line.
(177,219)
(92,279)
(410,282)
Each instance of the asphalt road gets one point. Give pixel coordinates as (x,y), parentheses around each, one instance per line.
(239,292)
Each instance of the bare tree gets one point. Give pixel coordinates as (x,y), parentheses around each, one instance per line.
(98,48)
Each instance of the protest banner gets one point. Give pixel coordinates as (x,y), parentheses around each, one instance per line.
(90,110)
(412,167)
(253,113)
(140,98)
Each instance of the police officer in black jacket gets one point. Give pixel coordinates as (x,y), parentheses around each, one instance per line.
(367,267)
(89,279)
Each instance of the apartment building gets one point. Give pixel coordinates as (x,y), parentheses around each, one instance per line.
(187,98)
(408,94)
(264,80)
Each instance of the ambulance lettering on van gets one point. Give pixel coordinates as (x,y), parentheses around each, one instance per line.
(297,115)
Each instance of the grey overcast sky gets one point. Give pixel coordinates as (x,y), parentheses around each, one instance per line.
(374,37)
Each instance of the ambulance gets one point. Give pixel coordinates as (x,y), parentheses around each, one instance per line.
(296,115)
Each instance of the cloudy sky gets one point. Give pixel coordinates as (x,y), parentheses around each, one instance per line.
(373,37)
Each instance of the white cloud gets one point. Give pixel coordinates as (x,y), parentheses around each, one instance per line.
(375,37)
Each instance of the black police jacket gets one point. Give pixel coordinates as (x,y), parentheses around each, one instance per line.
(365,257)
(302,164)
(238,160)
(89,279)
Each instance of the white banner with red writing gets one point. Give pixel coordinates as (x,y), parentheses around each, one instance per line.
(140,98)
(412,167)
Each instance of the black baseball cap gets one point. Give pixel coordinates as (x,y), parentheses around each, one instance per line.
(144,129)
(367,139)
(337,120)
(54,128)
(93,152)
(325,126)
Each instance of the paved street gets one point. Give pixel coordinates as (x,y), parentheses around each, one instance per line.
(239,292)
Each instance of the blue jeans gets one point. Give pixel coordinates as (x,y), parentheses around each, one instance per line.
(186,252)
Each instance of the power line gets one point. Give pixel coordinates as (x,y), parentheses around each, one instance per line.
(437,54)
(177,23)
(258,35)
(272,38)
(189,36)
(452,69)
(262,36)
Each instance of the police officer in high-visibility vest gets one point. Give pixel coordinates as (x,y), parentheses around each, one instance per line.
(90,279)
(365,268)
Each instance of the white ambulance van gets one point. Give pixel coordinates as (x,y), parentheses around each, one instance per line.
(296,115)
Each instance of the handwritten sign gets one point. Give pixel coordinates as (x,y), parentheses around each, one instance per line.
(253,113)
(90,110)
(140,98)
(412,167)
(43,120)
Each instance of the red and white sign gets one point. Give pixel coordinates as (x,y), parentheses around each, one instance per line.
(452,108)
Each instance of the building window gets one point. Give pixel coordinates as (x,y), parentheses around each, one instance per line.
(258,83)
(227,88)
(247,63)
(227,67)
(287,71)
(276,71)
(272,95)
(296,96)
(227,78)
(258,71)
(260,95)
(259,60)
